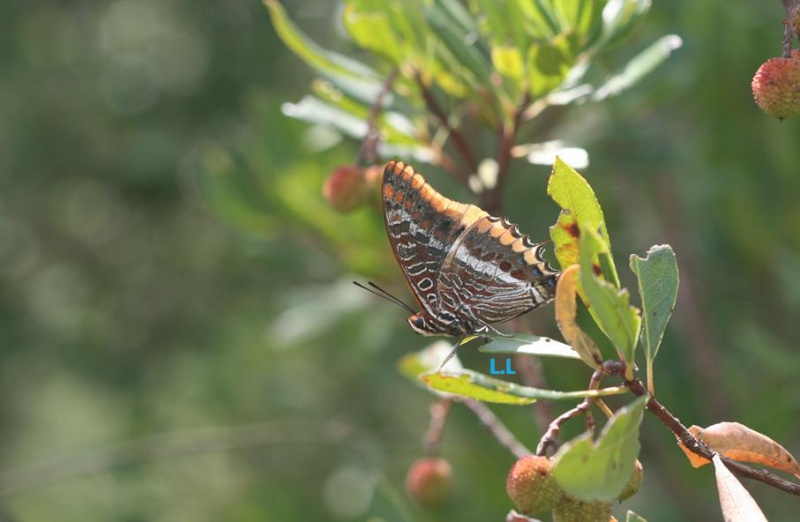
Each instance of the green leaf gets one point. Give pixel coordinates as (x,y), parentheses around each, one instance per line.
(598,471)
(315,56)
(658,286)
(583,18)
(548,64)
(428,360)
(620,18)
(478,386)
(609,304)
(638,67)
(529,345)
(580,208)
(454,39)
(384,28)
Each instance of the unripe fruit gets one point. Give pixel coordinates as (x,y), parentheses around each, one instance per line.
(345,189)
(429,481)
(531,487)
(574,510)
(776,86)
(634,483)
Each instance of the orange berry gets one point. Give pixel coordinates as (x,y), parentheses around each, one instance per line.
(531,487)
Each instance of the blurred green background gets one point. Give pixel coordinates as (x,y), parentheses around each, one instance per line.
(179,337)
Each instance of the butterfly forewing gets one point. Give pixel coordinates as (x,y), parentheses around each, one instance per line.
(465,268)
(421,225)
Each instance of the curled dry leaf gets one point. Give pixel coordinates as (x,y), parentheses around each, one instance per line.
(740,443)
(566,310)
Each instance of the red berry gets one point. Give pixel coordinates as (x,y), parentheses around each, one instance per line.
(429,481)
(345,189)
(776,86)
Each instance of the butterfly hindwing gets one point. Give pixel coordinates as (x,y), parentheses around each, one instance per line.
(497,270)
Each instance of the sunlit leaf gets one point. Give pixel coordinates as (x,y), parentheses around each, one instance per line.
(566,311)
(548,63)
(481,387)
(427,360)
(468,56)
(373,26)
(598,471)
(657,274)
(736,503)
(609,304)
(508,61)
(620,18)
(740,443)
(529,345)
(581,17)
(320,59)
(638,67)
(580,208)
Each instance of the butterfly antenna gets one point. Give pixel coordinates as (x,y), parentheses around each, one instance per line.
(380,292)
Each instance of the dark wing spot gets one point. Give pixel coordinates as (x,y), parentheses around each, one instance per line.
(505,266)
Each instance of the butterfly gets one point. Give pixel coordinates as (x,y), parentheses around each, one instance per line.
(466,269)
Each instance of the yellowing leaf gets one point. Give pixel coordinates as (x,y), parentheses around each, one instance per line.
(566,310)
(740,443)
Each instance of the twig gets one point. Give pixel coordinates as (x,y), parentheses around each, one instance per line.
(497,428)
(367,153)
(530,369)
(548,440)
(699,447)
(433,437)
(492,198)
(458,139)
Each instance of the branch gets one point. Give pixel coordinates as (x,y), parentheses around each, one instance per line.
(496,427)
(492,199)
(433,437)
(699,447)
(549,438)
(367,153)
(458,139)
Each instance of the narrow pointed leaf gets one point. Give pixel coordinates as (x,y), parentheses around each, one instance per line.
(638,67)
(610,305)
(478,386)
(620,17)
(529,345)
(311,53)
(566,312)
(598,471)
(736,503)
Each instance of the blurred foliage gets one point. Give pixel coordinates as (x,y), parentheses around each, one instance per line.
(167,353)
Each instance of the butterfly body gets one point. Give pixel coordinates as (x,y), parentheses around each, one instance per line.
(466,269)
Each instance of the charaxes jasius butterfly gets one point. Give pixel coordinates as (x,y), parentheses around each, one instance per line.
(466,269)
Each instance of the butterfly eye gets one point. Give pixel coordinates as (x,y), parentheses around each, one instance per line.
(418,322)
